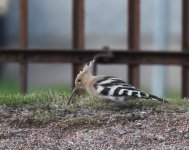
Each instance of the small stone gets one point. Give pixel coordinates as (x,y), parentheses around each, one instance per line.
(55,148)
(119,129)
(138,124)
(143,114)
(186,136)
(180,131)
(161,138)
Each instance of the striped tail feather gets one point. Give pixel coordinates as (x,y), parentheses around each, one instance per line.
(157,98)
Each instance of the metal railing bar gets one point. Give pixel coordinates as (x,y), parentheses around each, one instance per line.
(78,33)
(23,44)
(133,38)
(73,56)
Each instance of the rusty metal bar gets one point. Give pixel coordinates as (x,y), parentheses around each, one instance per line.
(78,13)
(78,32)
(78,24)
(185,46)
(81,56)
(23,44)
(133,38)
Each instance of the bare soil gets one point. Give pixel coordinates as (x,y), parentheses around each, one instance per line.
(44,128)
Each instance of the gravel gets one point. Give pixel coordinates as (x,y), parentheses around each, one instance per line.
(95,129)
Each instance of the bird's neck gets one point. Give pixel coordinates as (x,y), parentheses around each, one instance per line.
(89,84)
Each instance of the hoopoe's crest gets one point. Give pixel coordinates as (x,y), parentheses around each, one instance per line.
(108,87)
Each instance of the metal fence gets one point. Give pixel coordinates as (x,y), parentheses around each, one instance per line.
(79,55)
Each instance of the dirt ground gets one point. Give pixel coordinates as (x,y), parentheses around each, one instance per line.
(38,128)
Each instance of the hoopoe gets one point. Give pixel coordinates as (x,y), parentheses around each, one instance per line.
(107,87)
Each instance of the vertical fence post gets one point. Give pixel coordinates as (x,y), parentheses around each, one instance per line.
(23,43)
(133,38)
(185,46)
(78,32)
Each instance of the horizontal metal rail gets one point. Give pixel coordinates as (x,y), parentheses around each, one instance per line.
(119,56)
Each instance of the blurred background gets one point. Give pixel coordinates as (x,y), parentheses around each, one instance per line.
(50,26)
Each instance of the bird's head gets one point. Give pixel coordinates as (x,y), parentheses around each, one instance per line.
(82,78)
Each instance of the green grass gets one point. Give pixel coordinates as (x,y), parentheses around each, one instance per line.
(9,95)
(33,98)
(37,109)
(61,98)
(43,106)
(175,94)
(8,87)
(12,87)
(59,88)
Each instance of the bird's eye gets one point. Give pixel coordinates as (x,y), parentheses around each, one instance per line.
(79,81)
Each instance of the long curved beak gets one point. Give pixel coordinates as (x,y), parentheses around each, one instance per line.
(71,97)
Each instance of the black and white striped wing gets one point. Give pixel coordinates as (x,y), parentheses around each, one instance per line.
(115,87)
